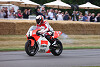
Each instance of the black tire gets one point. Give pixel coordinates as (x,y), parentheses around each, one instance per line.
(31,51)
(59,46)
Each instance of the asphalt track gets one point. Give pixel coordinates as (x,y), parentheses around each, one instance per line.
(69,58)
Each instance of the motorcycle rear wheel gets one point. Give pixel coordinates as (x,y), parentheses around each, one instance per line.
(57,49)
(31,51)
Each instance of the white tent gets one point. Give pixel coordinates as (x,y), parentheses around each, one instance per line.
(14,2)
(88,5)
(5,4)
(58,4)
(28,3)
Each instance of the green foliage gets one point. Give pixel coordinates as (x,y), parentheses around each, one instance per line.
(41,2)
(96,2)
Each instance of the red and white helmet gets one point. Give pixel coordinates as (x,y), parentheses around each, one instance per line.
(39,19)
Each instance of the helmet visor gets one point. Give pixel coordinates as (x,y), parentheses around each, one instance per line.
(38,21)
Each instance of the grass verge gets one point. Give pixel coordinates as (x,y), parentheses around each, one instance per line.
(65,48)
(12,49)
(86,47)
(17,42)
(89,66)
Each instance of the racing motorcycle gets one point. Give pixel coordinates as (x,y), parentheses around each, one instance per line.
(37,42)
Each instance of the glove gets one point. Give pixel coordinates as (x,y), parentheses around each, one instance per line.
(41,32)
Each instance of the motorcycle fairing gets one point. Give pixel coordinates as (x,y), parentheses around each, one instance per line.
(43,45)
(34,34)
(48,51)
(57,34)
(32,42)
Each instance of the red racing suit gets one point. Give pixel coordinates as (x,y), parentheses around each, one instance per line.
(47,28)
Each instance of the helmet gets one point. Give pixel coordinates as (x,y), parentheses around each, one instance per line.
(39,19)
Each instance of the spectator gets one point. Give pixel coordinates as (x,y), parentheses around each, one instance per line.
(16,14)
(43,12)
(66,17)
(11,15)
(13,9)
(92,18)
(98,17)
(63,14)
(50,14)
(29,11)
(55,14)
(48,10)
(2,13)
(74,16)
(25,14)
(6,12)
(80,17)
(89,15)
(70,18)
(85,18)
(59,16)
(46,15)
(20,15)
(77,16)
(3,8)
(37,11)
(42,9)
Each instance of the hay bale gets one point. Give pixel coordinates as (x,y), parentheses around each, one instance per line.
(7,28)
(69,27)
(22,27)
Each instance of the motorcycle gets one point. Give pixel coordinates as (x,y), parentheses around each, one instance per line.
(37,42)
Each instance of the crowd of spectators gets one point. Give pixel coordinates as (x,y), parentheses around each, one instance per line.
(5,13)
(75,16)
(50,14)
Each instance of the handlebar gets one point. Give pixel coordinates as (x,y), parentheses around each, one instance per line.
(38,33)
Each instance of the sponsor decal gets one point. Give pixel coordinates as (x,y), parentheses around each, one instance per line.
(44,42)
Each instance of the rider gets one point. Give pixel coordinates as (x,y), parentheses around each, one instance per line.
(47,29)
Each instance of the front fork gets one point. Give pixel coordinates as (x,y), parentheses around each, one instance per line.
(32,42)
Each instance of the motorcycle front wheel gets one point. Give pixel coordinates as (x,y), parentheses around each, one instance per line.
(57,49)
(31,50)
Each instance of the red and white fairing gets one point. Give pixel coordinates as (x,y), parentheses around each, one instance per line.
(43,45)
(57,34)
(42,42)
